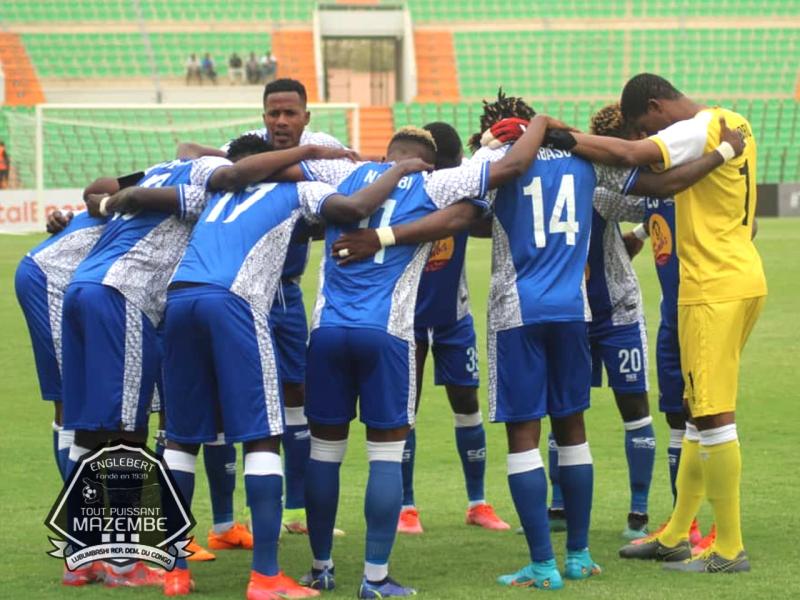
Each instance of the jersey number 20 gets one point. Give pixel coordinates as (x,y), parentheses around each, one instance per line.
(565,198)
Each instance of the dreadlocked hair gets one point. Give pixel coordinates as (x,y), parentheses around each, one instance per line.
(410,133)
(608,121)
(502,108)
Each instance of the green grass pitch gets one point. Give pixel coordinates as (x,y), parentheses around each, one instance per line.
(452,560)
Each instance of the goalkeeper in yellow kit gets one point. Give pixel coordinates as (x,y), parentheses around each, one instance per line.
(721,293)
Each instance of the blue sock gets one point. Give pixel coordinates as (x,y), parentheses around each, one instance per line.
(382,503)
(577,482)
(640,450)
(264,498)
(557,501)
(321,501)
(220,464)
(185,482)
(56,451)
(296,445)
(181,467)
(409,454)
(674,458)
(471,444)
(529,492)
(161,440)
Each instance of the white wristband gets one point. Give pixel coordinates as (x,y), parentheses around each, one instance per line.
(385,236)
(103,204)
(640,232)
(726,151)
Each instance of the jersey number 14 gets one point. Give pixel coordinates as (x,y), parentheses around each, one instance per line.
(564,199)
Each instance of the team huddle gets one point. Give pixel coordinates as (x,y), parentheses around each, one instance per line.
(177,292)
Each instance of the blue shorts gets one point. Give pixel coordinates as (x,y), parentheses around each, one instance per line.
(668,364)
(455,352)
(372,366)
(42,304)
(220,371)
(538,370)
(290,330)
(623,350)
(110,360)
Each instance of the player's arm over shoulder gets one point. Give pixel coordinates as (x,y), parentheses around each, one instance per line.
(362,203)
(677,144)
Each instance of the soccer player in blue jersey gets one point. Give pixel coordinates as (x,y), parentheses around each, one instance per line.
(362,345)
(443,322)
(111,309)
(286,117)
(40,281)
(115,302)
(221,367)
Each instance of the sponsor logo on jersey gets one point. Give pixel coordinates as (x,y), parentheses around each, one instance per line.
(441,253)
(661,237)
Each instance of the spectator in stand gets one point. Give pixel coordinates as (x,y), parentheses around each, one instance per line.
(193,69)
(207,68)
(253,70)
(268,64)
(5,165)
(235,69)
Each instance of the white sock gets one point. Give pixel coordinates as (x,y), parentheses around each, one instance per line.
(222,527)
(322,564)
(376,572)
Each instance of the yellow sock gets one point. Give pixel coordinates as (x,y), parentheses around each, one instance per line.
(689,484)
(722,472)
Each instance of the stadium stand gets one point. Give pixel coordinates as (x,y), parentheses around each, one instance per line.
(63,11)
(86,55)
(424,11)
(568,58)
(534,62)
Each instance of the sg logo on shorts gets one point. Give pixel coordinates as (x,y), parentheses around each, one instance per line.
(661,237)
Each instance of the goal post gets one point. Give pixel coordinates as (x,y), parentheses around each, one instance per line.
(68,145)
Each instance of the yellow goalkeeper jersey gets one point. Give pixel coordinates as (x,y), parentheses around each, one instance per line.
(714,217)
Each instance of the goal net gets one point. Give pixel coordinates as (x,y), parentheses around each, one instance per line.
(67,146)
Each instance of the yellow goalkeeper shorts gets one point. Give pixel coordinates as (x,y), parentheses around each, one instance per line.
(711,338)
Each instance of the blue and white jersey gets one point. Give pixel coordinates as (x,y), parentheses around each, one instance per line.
(297,256)
(241,238)
(59,255)
(540,238)
(612,285)
(443,296)
(137,252)
(381,293)
(659,214)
